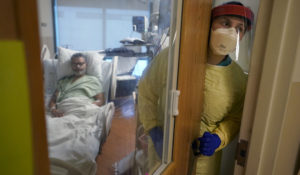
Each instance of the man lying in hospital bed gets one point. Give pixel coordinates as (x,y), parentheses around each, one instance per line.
(77,121)
(77,85)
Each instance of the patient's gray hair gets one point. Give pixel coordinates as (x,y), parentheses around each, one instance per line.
(78,55)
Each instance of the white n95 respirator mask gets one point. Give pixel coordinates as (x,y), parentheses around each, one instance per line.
(223,41)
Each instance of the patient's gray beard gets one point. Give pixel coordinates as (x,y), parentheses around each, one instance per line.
(79,73)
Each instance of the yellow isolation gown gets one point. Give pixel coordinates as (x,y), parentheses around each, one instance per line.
(224,93)
(151,101)
(223,103)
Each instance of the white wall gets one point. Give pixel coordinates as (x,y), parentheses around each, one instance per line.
(288,154)
(274,146)
(46,24)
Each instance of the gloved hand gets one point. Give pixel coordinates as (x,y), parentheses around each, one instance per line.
(208,144)
(156,135)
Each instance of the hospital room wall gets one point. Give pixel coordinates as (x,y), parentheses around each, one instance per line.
(288,152)
(274,146)
(45,16)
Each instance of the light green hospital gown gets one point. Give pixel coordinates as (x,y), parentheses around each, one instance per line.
(86,86)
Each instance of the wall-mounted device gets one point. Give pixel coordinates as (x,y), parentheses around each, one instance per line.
(140,24)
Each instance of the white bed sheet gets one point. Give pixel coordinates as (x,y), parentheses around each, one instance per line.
(74,140)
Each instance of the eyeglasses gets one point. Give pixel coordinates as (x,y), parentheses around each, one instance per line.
(78,64)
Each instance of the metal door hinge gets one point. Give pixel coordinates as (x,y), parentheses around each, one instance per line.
(241,153)
(174,101)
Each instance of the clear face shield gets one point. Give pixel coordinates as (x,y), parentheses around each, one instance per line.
(231,33)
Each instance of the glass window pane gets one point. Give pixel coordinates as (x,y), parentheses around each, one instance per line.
(116,43)
(80,28)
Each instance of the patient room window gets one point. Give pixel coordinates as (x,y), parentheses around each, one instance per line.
(88,28)
(79,28)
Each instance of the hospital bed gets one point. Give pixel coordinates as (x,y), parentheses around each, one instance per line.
(75,140)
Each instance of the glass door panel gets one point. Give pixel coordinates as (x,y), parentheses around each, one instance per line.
(119,43)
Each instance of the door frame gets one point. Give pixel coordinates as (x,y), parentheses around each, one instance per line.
(254,78)
(276,47)
(21,24)
(192,59)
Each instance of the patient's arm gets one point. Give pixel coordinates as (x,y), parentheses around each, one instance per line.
(100,99)
(52,105)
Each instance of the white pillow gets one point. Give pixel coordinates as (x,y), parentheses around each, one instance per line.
(94,62)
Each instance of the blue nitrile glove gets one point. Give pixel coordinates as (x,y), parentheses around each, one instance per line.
(156,135)
(209,143)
